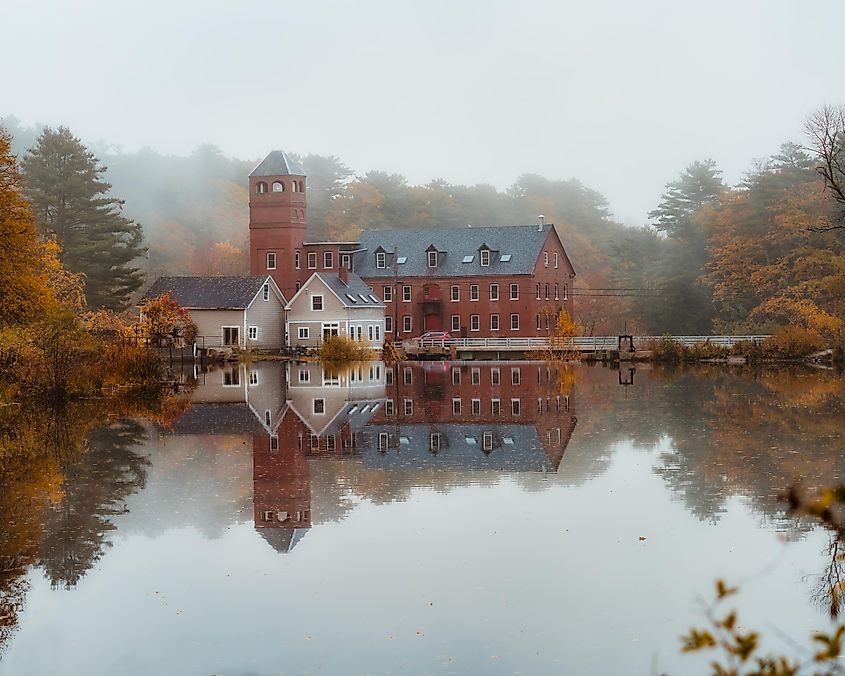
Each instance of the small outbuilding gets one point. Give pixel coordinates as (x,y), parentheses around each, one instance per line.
(335,304)
(237,312)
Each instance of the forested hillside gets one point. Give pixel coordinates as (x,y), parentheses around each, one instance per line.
(712,257)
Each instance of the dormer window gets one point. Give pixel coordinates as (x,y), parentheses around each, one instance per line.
(485,257)
(381,260)
(432,259)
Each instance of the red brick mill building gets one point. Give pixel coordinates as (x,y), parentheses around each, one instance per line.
(506,281)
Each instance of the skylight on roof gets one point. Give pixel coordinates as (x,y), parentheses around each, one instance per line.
(508,441)
(351,297)
(468,259)
(363,298)
(401,260)
(505,258)
(374,299)
(472,441)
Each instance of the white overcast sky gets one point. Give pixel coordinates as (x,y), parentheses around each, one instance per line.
(621,94)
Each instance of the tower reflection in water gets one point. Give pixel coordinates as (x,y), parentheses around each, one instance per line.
(429,422)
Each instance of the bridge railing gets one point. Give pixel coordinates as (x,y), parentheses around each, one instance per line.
(583,343)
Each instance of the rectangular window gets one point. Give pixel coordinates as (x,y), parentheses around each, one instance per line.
(537,287)
(271,260)
(476,406)
(381,260)
(515,406)
(495,376)
(231,335)
(456,406)
(473,291)
(304,376)
(455,292)
(331,442)
(312,260)
(514,291)
(406,293)
(565,292)
(387,294)
(378,332)
(487,441)
(496,406)
(388,376)
(474,323)
(514,322)
(296,262)
(265,292)
(274,443)
(539,322)
(475,375)
(434,441)
(328,260)
(546,258)
(494,292)
(485,258)
(555,258)
(253,377)
(515,376)
(370,332)
(432,259)
(316,302)
(383,439)
(494,322)
(304,333)
(547,292)
(253,333)
(388,324)
(232,377)
(557,292)
(407,375)
(456,375)
(409,406)
(406,324)
(315,442)
(319,406)
(345,260)
(456,322)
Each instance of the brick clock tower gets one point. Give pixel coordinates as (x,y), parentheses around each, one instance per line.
(277,220)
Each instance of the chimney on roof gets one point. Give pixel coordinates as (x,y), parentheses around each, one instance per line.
(343,273)
(542,223)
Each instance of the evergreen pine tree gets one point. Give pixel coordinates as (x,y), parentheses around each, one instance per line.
(65,188)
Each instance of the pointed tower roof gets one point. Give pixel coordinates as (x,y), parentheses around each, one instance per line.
(278,163)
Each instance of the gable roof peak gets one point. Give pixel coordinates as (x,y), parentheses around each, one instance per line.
(278,163)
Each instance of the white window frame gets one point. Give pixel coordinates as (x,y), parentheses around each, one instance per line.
(557,291)
(252,333)
(388,324)
(494,292)
(494,322)
(487,441)
(328,260)
(304,332)
(387,293)
(516,407)
(407,324)
(432,259)
(381,260)
(322,303)
(265,292)
(456,406)
(514,315)
(475,322)
(312,256)
(474,292)
(455,293)
(322,405)
(408,406)
(237,330)
(271,260)
(514,291)
(297,259)
(495,407)
(484,258)
(475,407)
(556,259)
(516,375)
(546,259)
(406,293)
(495,376)
(456,326)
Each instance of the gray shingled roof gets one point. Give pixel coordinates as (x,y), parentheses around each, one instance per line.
(230,418)
(278,163)
(208,293)
(524,243)
(525,454)
(356,287)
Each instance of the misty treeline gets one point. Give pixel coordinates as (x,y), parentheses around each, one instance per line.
(764,253)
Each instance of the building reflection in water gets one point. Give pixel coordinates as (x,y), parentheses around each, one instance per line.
(451,416)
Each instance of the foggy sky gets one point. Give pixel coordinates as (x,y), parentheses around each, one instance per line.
(621,94)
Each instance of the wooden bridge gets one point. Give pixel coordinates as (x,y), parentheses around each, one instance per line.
(465,348)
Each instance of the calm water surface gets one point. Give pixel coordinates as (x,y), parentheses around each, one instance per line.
(466,518)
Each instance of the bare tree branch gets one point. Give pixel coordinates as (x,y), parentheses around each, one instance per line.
(826,130)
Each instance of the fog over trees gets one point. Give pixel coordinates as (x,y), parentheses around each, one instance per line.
(711,257)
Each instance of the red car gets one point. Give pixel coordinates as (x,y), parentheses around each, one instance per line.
(435,335)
